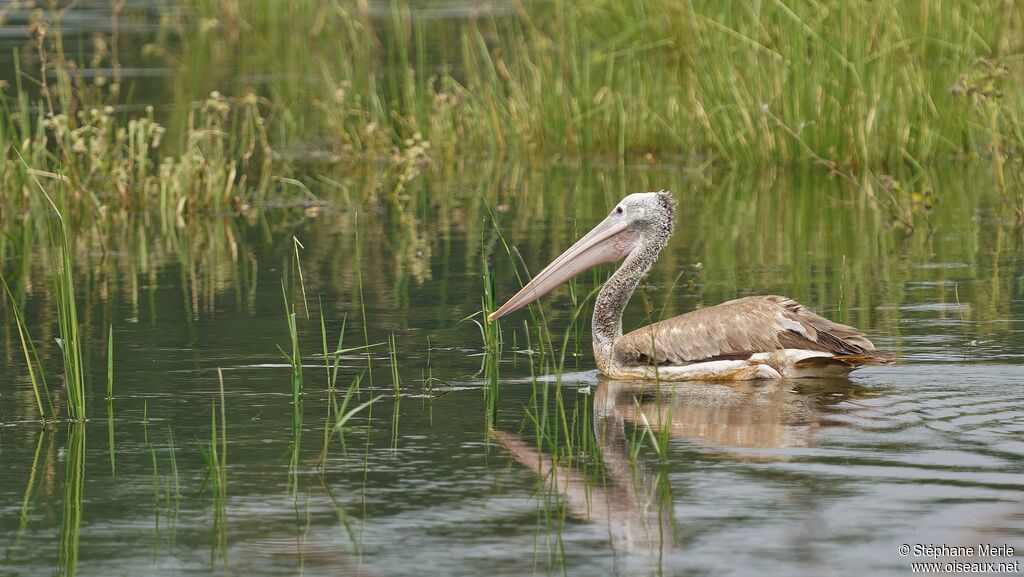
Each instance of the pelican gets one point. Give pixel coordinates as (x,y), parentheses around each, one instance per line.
(758,337)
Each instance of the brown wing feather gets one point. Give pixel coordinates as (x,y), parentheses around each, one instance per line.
(737,329)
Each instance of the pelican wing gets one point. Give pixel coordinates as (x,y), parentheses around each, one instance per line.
(737,329)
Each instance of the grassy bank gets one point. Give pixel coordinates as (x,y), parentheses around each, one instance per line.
(858,87)
(850,84)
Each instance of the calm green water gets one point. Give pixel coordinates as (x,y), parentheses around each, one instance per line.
(790,478)
(464,469)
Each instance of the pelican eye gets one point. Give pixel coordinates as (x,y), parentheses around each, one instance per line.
(619,210)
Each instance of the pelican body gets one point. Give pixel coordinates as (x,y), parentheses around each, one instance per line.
(761,337)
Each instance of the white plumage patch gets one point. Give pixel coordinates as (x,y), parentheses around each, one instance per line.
(791,325)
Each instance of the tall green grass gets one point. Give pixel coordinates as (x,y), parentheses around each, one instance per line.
(70,342)
(851,84)
(854,87)
(70,134)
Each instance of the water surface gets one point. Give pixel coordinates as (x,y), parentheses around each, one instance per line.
(811,477)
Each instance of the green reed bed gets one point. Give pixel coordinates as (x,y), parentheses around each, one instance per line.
(854,83)
(846,85)
(858,84)
(70,133)
(106,162)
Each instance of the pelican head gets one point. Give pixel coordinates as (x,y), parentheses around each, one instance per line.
(641,222)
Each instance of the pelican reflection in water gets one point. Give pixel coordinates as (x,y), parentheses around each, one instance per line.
(762,337)
(634,505)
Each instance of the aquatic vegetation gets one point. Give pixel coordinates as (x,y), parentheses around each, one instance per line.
(547,412)
(61,263)
(174,467)
(658,433)
(396,383)
(331,365)
(110,363)
(295,357)
(110,436)
(166,491)
(31,484)
(105,162)
(343,414)
(215,454)
(70,343)
(983,90)
(331,361)
(743,84)
(749,84)
(295,378)
(74,490)
(156,492)
(198,294)
(384,139)
(491,332)
(71,135)
(338,416)
(32,364)
(110,397)
(358,265)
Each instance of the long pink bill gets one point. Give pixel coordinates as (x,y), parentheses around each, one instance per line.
(609,241)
